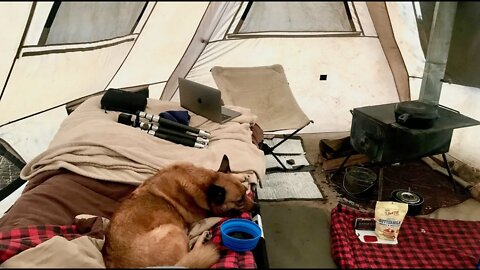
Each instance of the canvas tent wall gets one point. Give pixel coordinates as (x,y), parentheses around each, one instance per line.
(47,62)
(153,54)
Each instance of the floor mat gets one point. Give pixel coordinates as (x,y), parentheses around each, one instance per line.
(296,235)
(295,183)
(290,153)
(297,160)
(289,185)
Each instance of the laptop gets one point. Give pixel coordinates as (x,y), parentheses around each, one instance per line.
(205,101)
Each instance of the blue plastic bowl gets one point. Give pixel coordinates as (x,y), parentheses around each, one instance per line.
(240,225)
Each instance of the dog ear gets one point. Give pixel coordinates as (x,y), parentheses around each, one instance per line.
(225,165)
(216,194)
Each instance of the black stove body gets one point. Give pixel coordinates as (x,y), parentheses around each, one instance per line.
(376,133)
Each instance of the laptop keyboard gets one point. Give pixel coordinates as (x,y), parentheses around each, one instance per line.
(224,116)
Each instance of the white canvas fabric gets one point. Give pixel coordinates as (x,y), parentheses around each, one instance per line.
(186,39)
(39,18)
(161,44)
(11,35)
(40,82)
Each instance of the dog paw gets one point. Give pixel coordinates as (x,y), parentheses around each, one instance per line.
(208,236)
(202,239)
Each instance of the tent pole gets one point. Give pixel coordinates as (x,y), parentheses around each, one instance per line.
(215,11)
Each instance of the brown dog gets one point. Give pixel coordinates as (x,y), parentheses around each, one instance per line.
(150,227)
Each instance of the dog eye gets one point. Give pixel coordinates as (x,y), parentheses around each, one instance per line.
(241,200)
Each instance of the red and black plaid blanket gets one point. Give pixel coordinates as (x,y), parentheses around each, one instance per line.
(422,243)
(20,239)
(17,240)
(228,257)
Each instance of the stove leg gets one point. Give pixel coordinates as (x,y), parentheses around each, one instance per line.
(449,172)
(341,165)
(380,184)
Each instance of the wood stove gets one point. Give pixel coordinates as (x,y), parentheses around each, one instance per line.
(377,133)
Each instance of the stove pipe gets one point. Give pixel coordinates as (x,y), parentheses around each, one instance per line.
(437,52)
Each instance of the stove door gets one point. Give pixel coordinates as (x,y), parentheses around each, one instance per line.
(392,143)
(367,136)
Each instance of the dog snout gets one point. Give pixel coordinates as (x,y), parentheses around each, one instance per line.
(255,208)
(250,205)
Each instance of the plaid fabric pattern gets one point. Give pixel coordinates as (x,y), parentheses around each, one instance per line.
(230,258)
(19,239)
(422,243)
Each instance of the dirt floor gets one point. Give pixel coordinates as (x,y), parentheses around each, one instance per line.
(436,188)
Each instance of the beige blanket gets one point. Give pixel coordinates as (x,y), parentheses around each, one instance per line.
(58,252)
(91,143)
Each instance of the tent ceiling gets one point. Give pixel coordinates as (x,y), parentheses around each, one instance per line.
(161,44)
(12,36)
(45,81)
(44,77)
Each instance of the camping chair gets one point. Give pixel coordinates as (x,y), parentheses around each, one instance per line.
(265,90)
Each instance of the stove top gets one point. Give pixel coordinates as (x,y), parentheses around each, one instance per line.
(448,118)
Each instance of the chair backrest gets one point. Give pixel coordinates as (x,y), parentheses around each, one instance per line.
(263,89)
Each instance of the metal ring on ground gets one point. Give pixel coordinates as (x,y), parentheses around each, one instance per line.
(360,178)
(414,200)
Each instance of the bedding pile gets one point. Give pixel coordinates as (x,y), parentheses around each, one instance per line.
(92,164)
(73,245)
(91,143)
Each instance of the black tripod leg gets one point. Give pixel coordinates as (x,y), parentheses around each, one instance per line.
(267,150)
(279,161)
(449,172)
(290,135)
